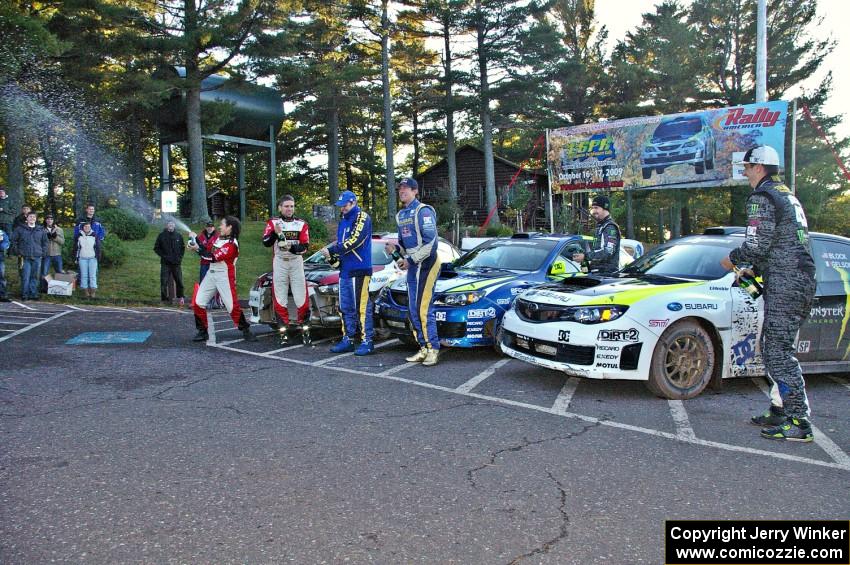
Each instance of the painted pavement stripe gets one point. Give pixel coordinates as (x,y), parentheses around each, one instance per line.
(680,418)
(544,409)
(398,368)
(35,325)
(15,323)
(296,346)
(482,376)
(821,439)
(26,316)
(72,307)
(324,362)
(23,306)
(562,403)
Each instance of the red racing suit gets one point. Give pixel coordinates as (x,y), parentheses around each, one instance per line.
(288,265)
(220,278)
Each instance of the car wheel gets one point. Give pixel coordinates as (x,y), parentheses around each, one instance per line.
(683,361)
(699,168)
(709,163)
(646,173)
(497,340)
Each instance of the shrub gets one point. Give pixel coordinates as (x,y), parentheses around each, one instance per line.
(318,231)
(499,230)
(126,224)
(113,252)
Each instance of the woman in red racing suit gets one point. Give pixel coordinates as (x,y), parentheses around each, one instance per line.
(220,278)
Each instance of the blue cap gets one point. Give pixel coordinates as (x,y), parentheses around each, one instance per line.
(411,183)
(345,198)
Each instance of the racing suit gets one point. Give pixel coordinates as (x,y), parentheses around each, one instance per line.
(220,278)
(354,247)
(417,241)
(604,256)
(288,266)
(777,246)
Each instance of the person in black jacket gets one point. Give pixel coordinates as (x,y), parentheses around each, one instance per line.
(169,247)
(30,240)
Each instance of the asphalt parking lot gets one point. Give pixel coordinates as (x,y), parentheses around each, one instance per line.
(163,450)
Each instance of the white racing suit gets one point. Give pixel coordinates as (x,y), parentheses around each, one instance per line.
(288,266)
(221,279)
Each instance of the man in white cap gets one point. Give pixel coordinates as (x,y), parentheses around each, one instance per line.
(777,248)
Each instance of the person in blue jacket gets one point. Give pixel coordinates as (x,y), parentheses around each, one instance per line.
(354,247)
(417,253)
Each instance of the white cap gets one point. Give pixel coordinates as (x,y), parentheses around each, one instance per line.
(761,155)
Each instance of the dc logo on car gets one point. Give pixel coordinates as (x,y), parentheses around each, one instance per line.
(674,306)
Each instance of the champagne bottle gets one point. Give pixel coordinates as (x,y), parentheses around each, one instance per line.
(749,283)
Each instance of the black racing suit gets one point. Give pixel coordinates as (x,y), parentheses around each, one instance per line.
(604,257)
(777,246)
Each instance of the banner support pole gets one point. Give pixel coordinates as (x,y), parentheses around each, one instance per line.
(549,176)
(794,147)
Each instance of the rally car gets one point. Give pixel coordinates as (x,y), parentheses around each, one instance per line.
(474,293)
(675,319)
(323,284)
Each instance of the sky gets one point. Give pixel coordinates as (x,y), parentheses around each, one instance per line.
(622,16)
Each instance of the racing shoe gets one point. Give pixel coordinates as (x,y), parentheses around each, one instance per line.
(247,335)
(283,335)
(431,357)
(365,348)
(775,416)
(344,346)
(418,357)
(306,338)
(793,429)
(202,335)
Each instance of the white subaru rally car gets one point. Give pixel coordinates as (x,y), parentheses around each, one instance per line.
(675,319)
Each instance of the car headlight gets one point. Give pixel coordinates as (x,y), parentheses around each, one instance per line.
(462,298)
(691,143)
(594,314)
(328,289)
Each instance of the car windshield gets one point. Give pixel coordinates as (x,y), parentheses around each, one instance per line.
(684,128)
(379,256)
(686,260)
(508,254)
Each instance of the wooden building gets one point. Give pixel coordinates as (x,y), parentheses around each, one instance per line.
(471,187)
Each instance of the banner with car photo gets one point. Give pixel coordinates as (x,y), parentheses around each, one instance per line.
(694,149)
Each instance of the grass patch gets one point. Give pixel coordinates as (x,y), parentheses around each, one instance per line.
(137,280)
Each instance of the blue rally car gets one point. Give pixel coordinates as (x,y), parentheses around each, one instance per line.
(474,292)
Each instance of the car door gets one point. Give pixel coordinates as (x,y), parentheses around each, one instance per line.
(745,328)
(826,330)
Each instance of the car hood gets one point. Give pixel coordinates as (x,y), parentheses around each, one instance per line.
(466,282)
(593,290)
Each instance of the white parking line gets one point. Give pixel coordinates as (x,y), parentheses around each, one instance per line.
(72,307)
(288,347)
(821,439)
(680,418)
(562,403)
(839,380)
(323,362)
(482,376)
(398,368)
(24,316)
(31,326)
(15,323)
(23,305)
(544,409)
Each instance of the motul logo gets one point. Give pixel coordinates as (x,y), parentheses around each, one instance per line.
(762,117)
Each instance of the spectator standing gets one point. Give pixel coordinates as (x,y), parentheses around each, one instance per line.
(5,241)
(87,254)
(21,219)
(30,240)
(7,213)
(94,222)
(205,241)
(169,247)
(55,241)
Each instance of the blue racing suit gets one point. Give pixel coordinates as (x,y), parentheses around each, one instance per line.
(354,247)
(417,242)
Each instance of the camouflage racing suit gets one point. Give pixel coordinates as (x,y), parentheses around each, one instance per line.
(777,246)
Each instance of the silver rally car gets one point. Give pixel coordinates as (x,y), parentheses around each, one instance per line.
(675,319)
